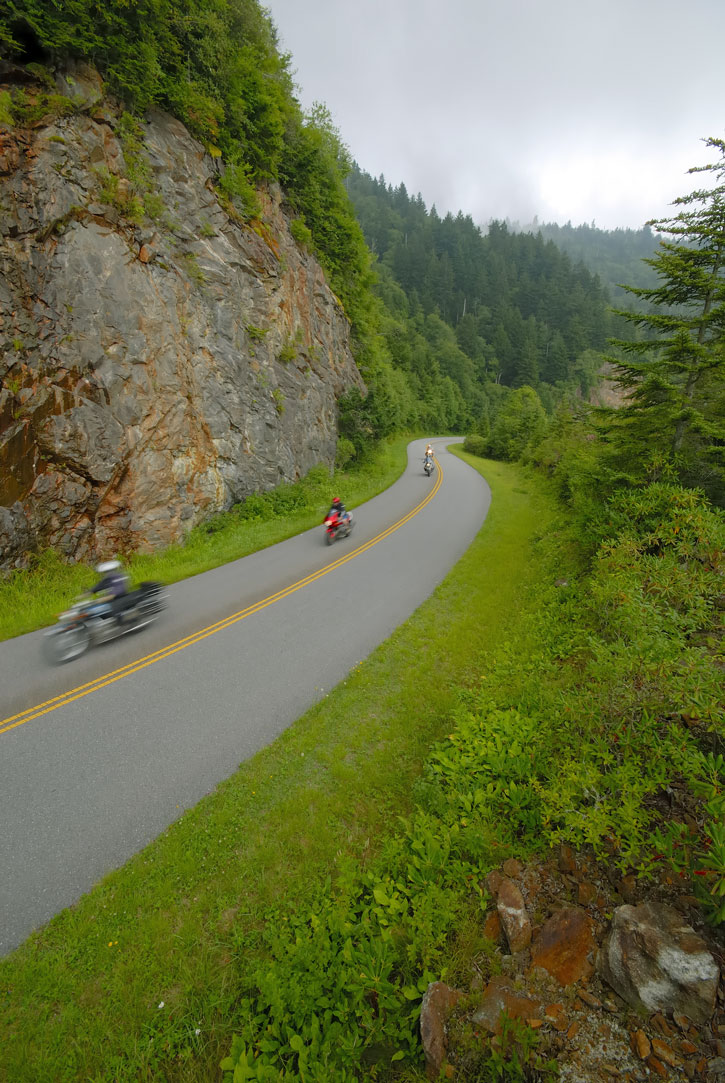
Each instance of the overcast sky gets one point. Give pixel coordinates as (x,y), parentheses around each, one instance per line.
(581,110)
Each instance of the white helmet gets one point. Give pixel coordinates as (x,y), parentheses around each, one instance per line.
(108,566)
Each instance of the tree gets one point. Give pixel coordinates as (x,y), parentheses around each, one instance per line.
(520,423)
(675,378)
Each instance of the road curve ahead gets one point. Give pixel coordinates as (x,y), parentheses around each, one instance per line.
(99,756)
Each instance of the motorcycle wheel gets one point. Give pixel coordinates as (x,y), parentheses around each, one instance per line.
(66,644)
(146,613)
(329,537)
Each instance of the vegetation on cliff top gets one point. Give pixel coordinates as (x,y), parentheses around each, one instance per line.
(215,64)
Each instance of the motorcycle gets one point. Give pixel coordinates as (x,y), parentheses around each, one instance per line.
(89,621)
(428,467)
(337,526)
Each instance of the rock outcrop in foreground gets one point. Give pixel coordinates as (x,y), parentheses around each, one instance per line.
(160,358)
(598,990)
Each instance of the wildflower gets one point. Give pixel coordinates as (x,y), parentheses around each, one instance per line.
(161,1004)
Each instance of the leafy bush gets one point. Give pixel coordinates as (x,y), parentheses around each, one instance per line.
(237,185)
(301,233)
(520,423)
(345,453)
(348,975)
(475,445)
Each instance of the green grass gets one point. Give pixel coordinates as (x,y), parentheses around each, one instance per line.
(178,924)
(32,599)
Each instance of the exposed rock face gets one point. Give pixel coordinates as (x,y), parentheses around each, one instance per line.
(656,962)
(514,917)
(155,369)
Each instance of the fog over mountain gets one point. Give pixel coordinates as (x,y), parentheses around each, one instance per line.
(581,112)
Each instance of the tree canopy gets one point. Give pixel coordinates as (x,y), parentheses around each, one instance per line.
(675,378)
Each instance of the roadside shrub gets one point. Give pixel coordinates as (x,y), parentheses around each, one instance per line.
(345,453)
(475,445)
(520,423)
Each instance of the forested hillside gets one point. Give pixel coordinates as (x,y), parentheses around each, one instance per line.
(616,255)
(468,315)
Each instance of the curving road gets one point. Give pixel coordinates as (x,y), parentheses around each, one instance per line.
(99,756)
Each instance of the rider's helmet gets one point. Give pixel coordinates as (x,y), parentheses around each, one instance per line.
(108,566)
(335,500)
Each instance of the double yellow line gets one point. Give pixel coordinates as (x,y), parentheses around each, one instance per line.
(13,721)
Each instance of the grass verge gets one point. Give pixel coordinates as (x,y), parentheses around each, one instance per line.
(32,598)
(140,980)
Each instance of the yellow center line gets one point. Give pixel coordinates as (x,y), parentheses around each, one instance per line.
(73,694)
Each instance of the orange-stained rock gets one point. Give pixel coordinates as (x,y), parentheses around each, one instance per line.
(563,946)
(555,1015)
(567,858)
(641,1044)
(657,1066)
(663,1052)
(589,998)
(500,996)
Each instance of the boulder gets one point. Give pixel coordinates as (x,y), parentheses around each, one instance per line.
(438,1003)
(658,963)
(514,917)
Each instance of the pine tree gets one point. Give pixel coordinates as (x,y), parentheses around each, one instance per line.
(675,378)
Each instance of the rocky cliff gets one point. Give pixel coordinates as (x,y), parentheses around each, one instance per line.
(160,357)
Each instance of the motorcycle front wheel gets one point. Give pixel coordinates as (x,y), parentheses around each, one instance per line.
(329,537)
(65,644)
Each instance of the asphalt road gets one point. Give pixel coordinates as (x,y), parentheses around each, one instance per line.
(99,756)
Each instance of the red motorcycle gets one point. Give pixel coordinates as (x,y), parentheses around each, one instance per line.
(337,526)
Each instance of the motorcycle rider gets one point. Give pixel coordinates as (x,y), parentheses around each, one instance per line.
(336,508)
(113,585)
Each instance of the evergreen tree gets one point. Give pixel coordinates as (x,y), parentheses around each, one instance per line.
(675,379)
(520,423)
